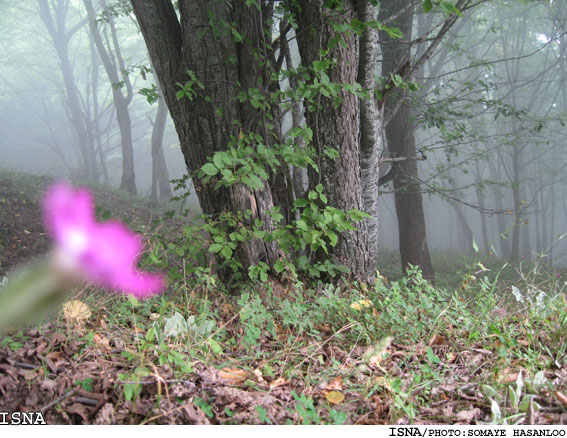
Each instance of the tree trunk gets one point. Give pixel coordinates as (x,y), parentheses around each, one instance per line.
(400,134)
(496,175)
(121,101)
(371,117)
(55,24)
(160,175)
(204,121)
(336,126)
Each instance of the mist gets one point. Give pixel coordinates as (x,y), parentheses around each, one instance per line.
(488,114)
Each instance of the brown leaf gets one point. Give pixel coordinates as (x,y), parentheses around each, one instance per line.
(336,384)
(469,414)
(79,409)
(233,374)
(561,398)
(335,397)
(507,375)
(103,342)
(195,414)
(437,339)
(280,381)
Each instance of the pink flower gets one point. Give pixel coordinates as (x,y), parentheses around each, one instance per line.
(105,254)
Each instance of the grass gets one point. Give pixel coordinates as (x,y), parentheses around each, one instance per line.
(484,345)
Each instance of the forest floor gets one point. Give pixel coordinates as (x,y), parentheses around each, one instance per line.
(398,352)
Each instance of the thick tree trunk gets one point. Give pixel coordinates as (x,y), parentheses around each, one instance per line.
(336,126)
(400,134)
(204,121)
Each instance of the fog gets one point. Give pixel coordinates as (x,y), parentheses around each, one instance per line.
(489,111)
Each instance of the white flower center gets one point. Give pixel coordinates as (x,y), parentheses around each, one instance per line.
(76,242)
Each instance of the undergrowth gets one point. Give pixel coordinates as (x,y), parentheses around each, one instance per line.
(489,349)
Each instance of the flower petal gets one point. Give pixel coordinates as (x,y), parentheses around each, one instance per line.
(138,283)
(69,217)
(105,254)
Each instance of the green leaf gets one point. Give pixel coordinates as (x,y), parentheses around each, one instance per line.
(217,349)
(279,266)
(215,247)
(427,6)
(180,94)
(333,238)
(253,181)
(226,252)
(219,159)
(209,169)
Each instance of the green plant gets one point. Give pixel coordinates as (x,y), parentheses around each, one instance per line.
(519,404)
(255,318)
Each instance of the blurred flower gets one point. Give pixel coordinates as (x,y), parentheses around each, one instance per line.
(105,254)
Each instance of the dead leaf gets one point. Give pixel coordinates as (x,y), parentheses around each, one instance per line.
(437,339)
(561,398)
(335,397)
(77,408)
(336,384)
(76,310)
(234,374)
(103,342)
(469,414)
(280,381)
(507,375)
(259,376)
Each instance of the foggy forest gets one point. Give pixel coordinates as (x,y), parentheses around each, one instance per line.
(283,212)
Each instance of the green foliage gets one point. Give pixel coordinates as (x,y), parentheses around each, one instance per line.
(187,89)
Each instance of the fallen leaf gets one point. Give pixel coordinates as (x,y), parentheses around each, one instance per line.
(103,342)
(469,414)
(233,374)
(280,381)
(437,339)
(335,397)
(76,310)
(336,384)
(561,398)
(507,375)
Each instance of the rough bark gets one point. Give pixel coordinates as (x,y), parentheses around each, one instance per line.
(204,121)
(401,143)
(336,126)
